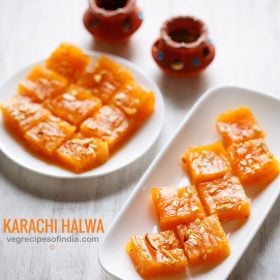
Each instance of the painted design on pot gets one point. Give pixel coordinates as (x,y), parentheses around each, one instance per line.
(160,56)
(183,48)
(112,20)
(196,62)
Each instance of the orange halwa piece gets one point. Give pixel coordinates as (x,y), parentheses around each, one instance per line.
(69,61)
(48,135)
(135,101)
(20,114)
(238,125)
(108,123)
(42,83)
(204,241)
(157,254)
(175,206)
(75,105)
(225,197)
(205,163)
(80,154)
(106,78)
(253,163)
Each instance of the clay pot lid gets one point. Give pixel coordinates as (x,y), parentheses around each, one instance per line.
(123,7)
(184,32)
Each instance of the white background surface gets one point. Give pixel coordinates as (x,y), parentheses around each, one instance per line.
(247,37)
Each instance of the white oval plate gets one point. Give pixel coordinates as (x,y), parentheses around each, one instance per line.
(137,215)
(138,145)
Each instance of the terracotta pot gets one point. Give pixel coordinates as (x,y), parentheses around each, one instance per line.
(183,48)
(112,20)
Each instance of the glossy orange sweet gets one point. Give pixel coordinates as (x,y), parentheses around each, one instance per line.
(42,83)
(98,100)
(238,125)
(69,61)
(175,206)
(136,102)
(80,154)
(204,241)
(48,135)
(225,197)
(253,163)
(156,254)
(75,105)
(106,78)
(109,124)
(205,163)
(20,114)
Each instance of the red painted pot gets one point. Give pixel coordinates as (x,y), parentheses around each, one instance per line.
(112,20)
(183,48)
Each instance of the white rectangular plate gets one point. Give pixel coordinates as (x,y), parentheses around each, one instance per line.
(138,216)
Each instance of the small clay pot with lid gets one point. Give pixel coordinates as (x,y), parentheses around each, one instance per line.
(183,48)
(112,20)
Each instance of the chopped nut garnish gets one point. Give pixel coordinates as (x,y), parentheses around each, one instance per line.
(69,97)
(256,128)
(120,97)
(150,242)
(239,207)
(202,229)
(192,241)
(218,238)
(213,190)
(82,141)
(195,208)
(131,111)
(189,190)
(168,254)
(112,118)
(188,235)
(97,78)
(224,207)
(265,148)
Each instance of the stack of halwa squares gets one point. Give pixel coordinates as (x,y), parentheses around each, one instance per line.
(190,217)
(77,113)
